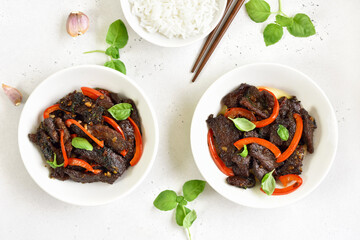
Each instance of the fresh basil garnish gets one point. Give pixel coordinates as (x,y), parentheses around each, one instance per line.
(192,189)
(258,10)
(113,52)
(81,143)
(272,34)
(54,163)
(244,152)
(118,65)
(283,132)
(121,111)
(302,26)
(117,34)
(243,124)
(189,219)
(166,200)
(268,183)
(180,214)
(284,21)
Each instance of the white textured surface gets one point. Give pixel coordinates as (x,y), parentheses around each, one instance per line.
(34,44)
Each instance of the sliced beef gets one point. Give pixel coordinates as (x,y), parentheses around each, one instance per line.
(50,129)
(243,165)
(289,123)
(43,141)
(293,164)
(261,103)
(105,157)
(263,155)
(308,131)
(104,102)
(129,136)
(258,170)
(134,113)
(112,138)
(225,134)
(78,103)
(232,99)
(58,173)
(67,138)
(86,177)
(241,182)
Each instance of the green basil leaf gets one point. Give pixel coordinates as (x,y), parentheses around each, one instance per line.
(272,34)
(283,133)
(268,183)
(81,143)
(179,199)
(180,215)
(189,219)
(302,27)
(121,111)
(183,202)
(54,163)
(113,52)
(258,10)
(245,152)
(117,34)
(117,65)
(284,21)
(166,200)
(192,189)
(243,124)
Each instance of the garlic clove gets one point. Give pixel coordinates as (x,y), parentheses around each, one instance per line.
(13,94)
(77,24)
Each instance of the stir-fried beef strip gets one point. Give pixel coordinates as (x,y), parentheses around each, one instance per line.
(89,113)
(241,182)
(225,134)
(261,160)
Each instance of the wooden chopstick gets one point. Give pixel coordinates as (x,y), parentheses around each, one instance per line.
(211,37)
(219,37)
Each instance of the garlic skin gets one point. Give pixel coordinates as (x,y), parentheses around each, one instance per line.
(77,24)
(13,94)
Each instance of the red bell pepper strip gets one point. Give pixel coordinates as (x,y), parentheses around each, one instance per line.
(217,160)
(233,112)
(138,143)
(274,149)
(73,121)
(295,141)
(118,129)
(74,135)
(82,163)
(91,93)
(63,150)
(51,109)
(274,114)
(285,180)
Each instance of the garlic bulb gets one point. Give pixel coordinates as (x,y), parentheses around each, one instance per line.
(13,94)
(77,24)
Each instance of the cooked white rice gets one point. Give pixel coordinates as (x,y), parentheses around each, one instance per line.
(175,18)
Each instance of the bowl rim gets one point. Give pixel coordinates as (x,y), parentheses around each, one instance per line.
(167,42)
(332,113)
(153,116)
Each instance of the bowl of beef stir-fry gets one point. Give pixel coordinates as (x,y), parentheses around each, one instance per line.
(264,135)
(88,135)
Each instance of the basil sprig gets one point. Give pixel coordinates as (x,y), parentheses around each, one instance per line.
(268,183)
(168,200)
(81,143)
(244,152)
(121,111)
(299,26)
(243,124)
(117,37)
(54,164)
(283,132)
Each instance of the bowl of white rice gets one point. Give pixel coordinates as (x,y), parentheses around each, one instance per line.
(173,23)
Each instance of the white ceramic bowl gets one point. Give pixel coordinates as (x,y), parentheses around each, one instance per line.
(313,99)
(161,40)
(50,91)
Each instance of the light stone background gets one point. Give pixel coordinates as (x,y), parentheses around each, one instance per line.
(34,45)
